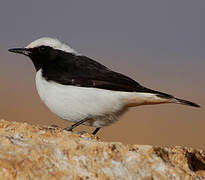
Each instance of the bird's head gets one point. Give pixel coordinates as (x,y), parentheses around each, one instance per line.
(43,50)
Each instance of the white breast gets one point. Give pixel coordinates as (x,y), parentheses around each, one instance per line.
(75,103)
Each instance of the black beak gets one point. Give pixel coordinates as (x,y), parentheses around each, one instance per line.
(23,51)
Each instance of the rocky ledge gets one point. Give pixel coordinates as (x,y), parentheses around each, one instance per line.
(33,152)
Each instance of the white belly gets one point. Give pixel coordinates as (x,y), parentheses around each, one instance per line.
(76,103)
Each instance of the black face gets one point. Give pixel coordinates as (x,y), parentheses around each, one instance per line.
(41,56)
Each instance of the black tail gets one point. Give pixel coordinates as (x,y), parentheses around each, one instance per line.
(172,98)
(185,102)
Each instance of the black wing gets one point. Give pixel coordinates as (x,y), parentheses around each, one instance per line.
(85,72)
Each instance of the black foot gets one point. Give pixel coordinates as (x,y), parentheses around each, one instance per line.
(76,124)
(68,128)
(95,131)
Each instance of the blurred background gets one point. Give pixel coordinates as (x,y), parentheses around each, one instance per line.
(160,44)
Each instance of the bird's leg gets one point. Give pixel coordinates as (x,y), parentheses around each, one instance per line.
(95,131)
(76,124)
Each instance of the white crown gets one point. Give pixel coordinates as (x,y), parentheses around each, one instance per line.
(54,43)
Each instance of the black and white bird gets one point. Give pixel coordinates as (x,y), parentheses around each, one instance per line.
(81,90)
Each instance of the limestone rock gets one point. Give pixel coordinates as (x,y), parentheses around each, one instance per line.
(31,152)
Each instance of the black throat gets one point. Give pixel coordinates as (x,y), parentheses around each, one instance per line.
(48,59)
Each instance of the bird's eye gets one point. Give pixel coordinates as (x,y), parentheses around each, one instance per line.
(42,49)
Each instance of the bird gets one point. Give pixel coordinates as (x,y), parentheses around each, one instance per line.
(83,91)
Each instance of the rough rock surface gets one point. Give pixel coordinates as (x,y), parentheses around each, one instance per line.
(31,152)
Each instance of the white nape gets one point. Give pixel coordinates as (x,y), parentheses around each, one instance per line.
(51,42)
